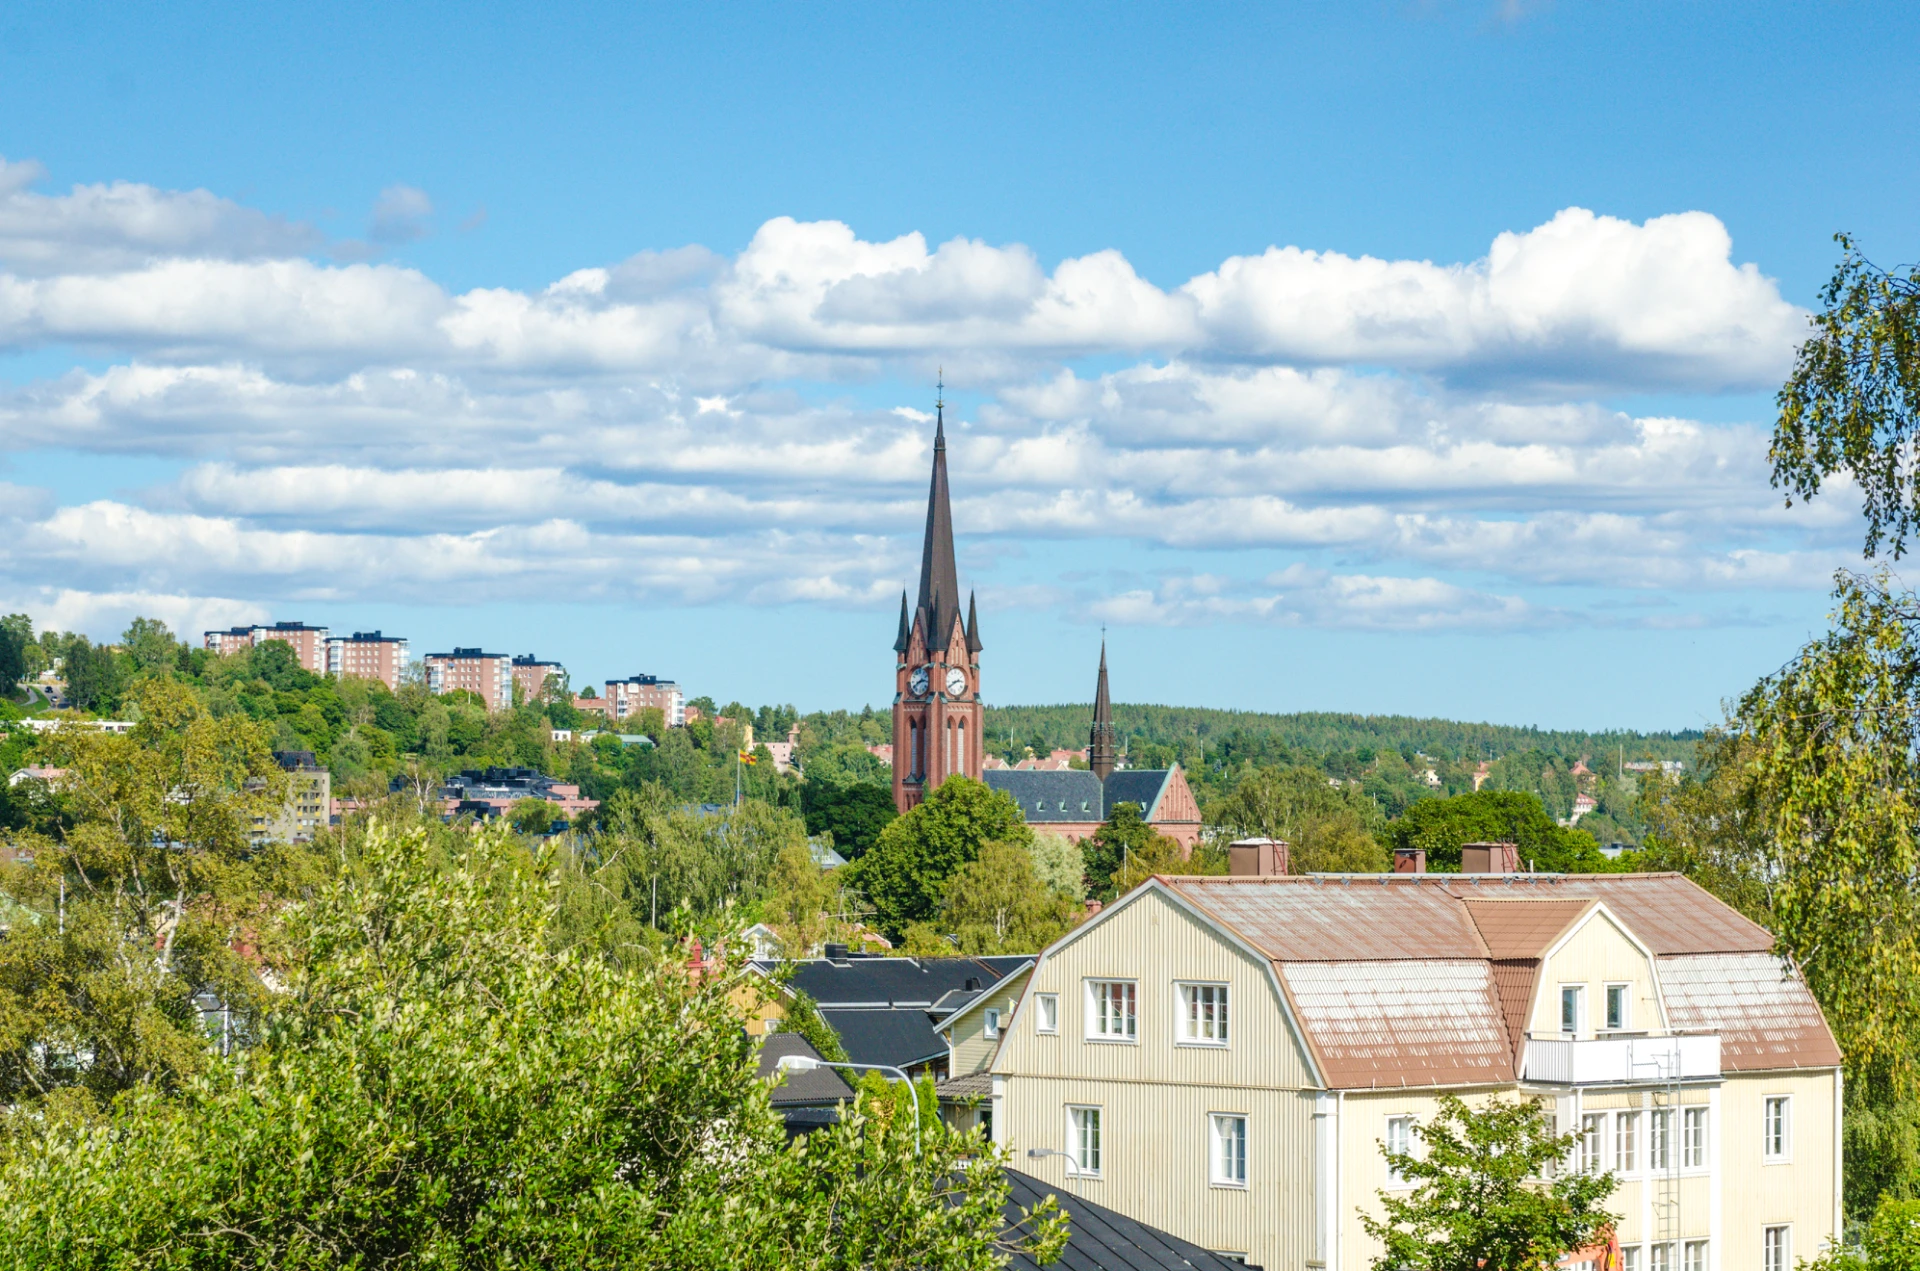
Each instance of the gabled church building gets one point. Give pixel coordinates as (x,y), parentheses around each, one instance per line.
(938,716)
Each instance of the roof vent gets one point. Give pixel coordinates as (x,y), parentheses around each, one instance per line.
(1257,858)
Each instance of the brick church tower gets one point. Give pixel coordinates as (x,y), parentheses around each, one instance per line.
(936,700)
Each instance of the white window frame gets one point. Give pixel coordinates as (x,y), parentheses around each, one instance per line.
(1630,1259)
(1693,1138)
(990,1019)
(1693,1256)
(1776,1131)
(1096,998)
(1593,1141)
(1185,1011)
(1046,1012)
(1659,1140)
(1578,993)
(1626,1143)
(1660,1256)
(1221,1169)
(1776,1247)
(1626,1006)
(1399,1139)
(1076,1148)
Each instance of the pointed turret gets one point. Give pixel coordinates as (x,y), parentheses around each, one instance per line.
(1101,750)
(973,627)
(905,637)
(939,579)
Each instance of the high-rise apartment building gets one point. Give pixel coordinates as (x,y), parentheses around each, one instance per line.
(309,643)
(630,696)
(530,675)
(368,655)
(488,674)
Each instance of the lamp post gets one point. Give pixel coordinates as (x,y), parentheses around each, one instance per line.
(807,1063)
(1042,1153)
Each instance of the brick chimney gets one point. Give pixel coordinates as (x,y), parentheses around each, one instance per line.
(1257,858)
(1409,860)
(1489,858)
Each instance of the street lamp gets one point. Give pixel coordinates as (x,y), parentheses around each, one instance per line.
(1042,1153)
(807,1063)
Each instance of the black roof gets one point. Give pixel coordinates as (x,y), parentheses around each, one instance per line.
(892,983)
(1137,785)
(898,1038)
(295,760)
(1100,1239)
(821,1088)
(1071,794)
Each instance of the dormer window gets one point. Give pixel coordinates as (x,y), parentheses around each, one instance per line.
(1619,1008)
(1573,1008)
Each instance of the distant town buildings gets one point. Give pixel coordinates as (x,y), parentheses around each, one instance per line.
(485,793)
(531,676)
(309,801)
(309,643)
(489,675)
(368,655)
(638,692)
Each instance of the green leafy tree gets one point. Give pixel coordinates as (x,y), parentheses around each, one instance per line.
(1852,403)
(1060,865)
(532,816)
(996,904)
(16,634)
(401,1111)
(854,814)
(805,903)
(1489,1192)
(1162,855)
(150,644)
(1440,826)
(904,876)
(94,676)
(1891,1242)
(1328,827)
(1109,850)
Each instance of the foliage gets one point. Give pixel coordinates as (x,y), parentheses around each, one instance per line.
(94,676)
(15,631)
(805,904)
(1330,827)
(1487,1193)
(531,816)
(1059,865)
(904,877)
(996,904)
(1891,1242)
(1162,855)
(803,1017)
(143,886)
(1440,826)
(401,1111)
(1852,403)
(854,814)
(1109,850)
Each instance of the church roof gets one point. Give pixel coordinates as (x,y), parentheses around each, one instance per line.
(1077,795)
(1143,786)
(939,577)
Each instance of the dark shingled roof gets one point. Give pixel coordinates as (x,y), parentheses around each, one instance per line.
(822,1087)
(1101,1239)
(899,1038)
(1040,793)
(1138,785)
(896,983)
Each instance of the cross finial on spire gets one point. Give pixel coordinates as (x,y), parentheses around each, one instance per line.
(940,390)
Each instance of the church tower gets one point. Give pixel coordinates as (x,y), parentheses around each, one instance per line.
(1102,750)
(936,702)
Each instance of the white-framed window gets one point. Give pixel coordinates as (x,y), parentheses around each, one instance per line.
(1696,1256)
(1630,1258)
(1776,1248)
(991,1016)
(1660,1257)
(1083,1141)
(1693,1138)
(1573,1008)
(1112,1010)
(1619,1007)
(1399,1139)
(1660,1139)
(1776,1127)
(1203,1014)
(1227,1149)
(1626,1142)
(1046,1012)
(1593,1132)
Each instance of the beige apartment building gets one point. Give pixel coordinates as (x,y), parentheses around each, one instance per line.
(369,656)
(531,676)
(309,643)
(638,692)
(488,674)
(309,805)
(1225,1057)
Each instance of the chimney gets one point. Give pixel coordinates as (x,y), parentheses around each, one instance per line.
(1409,860)
(1093,907)
(1257,858)
(1489,858)
(973,984)
(835,952)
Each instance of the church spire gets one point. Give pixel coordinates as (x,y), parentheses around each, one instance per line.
(1100,745)
(905,637)
(939,579)
(973,627)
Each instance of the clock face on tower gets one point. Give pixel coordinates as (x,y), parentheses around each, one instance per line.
(956,681)
(917,682)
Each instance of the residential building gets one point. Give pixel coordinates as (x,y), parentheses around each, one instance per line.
(488,674)
(485,793)
(1222,1057)
(308,808)
(531,676)
(636,693)
(368,655)
(309,643)
(807,1099)
(1074,802)
(971,1021)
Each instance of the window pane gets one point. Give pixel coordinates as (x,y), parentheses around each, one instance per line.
(1616,1006)
(1626,1146)
(1659,1140)
(1693,1128)
(1569,1010)
(1592,1127)
(1696,1259)
(1229,1149)
(1630,1258)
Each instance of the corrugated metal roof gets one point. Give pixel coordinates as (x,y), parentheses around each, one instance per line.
(1295,919)
(1522,928)
(1514,979)
(1762,1009)
(1668,912)
(1402,1023)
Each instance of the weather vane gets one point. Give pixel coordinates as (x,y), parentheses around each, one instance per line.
(940,390)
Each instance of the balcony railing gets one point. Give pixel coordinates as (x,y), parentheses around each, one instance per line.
(1565,1061)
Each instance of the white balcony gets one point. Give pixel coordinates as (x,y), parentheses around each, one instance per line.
(1563,1061)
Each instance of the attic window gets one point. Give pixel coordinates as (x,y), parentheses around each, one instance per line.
(1063,805)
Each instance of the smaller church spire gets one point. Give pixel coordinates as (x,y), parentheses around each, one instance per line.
(973,627)
(1101,756)
(901,641)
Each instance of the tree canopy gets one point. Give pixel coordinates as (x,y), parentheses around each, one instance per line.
(1440,826)
(904,876)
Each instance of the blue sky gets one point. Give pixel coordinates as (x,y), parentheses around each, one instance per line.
(598,331)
